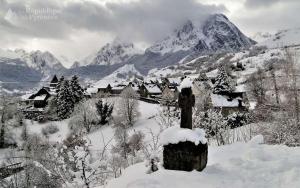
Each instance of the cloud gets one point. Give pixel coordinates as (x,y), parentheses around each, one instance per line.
(260,3)
(141,20)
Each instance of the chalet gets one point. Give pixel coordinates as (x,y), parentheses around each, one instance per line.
(117,90)
(150,90)
(229,103)
(40,98)
(104,89)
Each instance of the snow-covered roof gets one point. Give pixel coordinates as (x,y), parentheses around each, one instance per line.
(153,88)
(240,88)
(118,87)
(212,74)
(174,80)
(92,90)
(175,134)
(223,101)
(40,98)
(26,96)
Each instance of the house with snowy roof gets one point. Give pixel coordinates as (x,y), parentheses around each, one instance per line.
(150,90)
(40,98)
(229,103)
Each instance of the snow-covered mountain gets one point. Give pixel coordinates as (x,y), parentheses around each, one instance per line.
(112,53)
(288,37)
(38,60)
(123,74)
(21,69)
(217,33)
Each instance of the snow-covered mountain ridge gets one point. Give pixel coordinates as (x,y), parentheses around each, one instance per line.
(112,53)
(217,33)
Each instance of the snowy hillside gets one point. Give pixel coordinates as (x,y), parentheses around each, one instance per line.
(237,165)
(112,53)
(288,37)
(261,37)
(123,74)
(217,33)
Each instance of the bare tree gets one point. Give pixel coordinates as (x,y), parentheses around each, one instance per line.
(256,84)
(84,116)
(291,59)
(128,106)
(274,82)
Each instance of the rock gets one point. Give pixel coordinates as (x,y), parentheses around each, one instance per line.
(185,156)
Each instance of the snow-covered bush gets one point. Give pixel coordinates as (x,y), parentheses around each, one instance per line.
(215,126)
(168,117)
(238,119)
(50,129)
(282,131)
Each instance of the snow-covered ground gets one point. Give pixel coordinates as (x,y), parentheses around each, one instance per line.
(237,165)
(146,122)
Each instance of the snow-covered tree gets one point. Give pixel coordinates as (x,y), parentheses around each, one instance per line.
(59,83)
(215,126)
(128,105)
(65,101)
(76,89)
(84,117)
(104,110)
(167,117)
(223,83)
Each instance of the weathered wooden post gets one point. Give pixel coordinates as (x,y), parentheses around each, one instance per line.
(185,149)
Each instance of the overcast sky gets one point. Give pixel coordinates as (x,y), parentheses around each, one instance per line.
(76,28)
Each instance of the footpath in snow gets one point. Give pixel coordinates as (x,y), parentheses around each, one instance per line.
(247,165)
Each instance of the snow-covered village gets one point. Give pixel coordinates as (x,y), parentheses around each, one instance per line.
(149,94)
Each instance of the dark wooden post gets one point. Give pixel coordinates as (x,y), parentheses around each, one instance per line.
(186,100)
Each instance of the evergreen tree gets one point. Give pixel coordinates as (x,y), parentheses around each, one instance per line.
(223,83)
(65,102)
(60,81)
(76,89)
(104,110)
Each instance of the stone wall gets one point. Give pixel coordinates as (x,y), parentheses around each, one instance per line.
(185,156)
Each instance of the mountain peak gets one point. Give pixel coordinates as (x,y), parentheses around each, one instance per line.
(186,28)
(216,33)
(115,52)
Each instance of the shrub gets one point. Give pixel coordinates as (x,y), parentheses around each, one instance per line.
(50,129)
